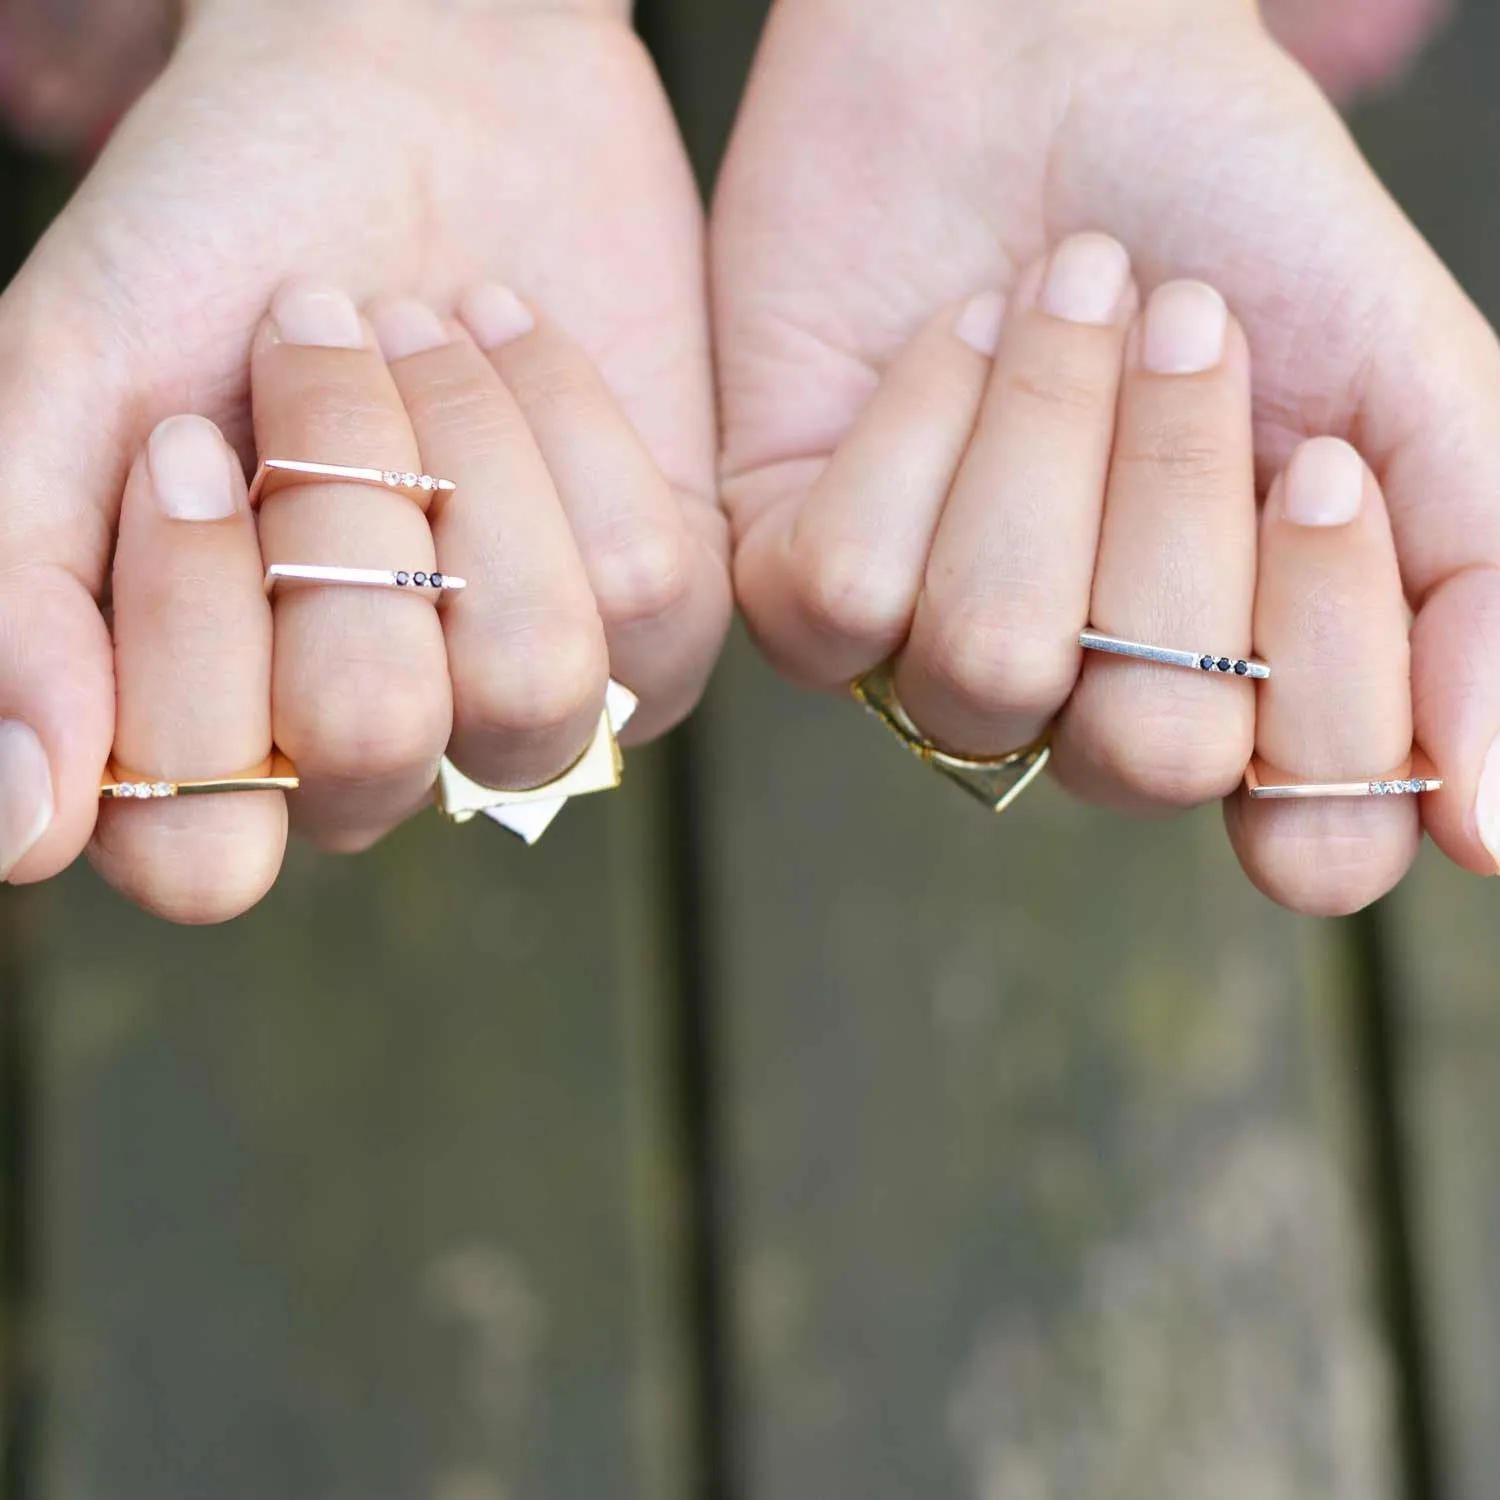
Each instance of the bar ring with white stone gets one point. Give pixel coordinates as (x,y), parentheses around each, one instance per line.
(1167,656)
(275,474)
(1412,779)
(364,578)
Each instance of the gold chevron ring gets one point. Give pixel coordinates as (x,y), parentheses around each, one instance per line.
(995,781)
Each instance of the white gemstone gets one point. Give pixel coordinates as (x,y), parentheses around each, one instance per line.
(409,480)
(162,789)
(391,477)
(427,482)
(125,790)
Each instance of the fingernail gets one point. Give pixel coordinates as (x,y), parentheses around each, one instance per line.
(404,327)
(1186,322)
(318,316)
(25,793)
(190,473)
(1086,279)
(1487,803)
(494,315)
(1325,484)
(980,321)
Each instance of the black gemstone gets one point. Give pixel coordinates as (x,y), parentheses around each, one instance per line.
(435,580)
(420,579)
(1225,664)
(1207,663)
(402,579)
(1241,668)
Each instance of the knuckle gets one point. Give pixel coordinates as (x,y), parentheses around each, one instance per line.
(462,410)
(1055,386)
(1328,872)
(370,725)
(350,415)
(559,383)
(843,595)
(1171,755)
(995,664)
(1175,451)
(538,683)
(643,578)
(204,882)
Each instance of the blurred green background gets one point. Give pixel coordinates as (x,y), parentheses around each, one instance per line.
(737,1145)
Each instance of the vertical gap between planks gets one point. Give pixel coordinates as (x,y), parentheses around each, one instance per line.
(675,32)
(1378,1049)
(698,1131)
(35,190)
(17,1393)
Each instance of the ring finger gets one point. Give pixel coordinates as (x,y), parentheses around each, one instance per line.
(526,648)
(993,651)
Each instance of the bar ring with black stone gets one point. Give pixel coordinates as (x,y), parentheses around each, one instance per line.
(1169,656)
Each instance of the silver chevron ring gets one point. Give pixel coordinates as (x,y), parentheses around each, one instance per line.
(1167,656)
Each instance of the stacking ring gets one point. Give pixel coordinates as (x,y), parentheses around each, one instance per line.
(1166,656)
(529,814)
(995,781)
(274,774)
(1414,778)
(367,578)
(275,474)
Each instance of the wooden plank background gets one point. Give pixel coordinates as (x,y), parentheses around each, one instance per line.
(737,1144)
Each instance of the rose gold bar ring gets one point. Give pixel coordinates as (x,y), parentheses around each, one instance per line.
(274,774)
(435,584)
(1413,778)
(275,474)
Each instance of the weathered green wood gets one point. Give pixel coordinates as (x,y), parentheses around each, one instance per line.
(370,1194)
(1039,1172)
(1435,142)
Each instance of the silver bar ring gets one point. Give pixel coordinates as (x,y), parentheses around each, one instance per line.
(1167,656)
(366,578)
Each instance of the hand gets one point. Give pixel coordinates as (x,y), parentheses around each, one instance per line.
(391,149)
(885,166)
(504,663)
(1010,467)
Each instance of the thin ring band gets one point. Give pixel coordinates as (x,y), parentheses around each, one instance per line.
(368,578)
(275,474)
(274,774)
(1167,656)
(995,781)
(1414,778)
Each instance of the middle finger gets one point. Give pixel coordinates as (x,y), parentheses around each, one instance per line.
(1176,568)
(360,693)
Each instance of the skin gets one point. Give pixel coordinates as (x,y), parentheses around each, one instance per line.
(145,297)
(860,198)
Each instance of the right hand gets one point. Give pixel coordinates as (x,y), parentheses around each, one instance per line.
(390,148)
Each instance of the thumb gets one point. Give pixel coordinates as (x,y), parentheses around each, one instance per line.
(62,459)
(1431,410)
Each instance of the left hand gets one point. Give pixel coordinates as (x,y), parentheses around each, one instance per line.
(886,165)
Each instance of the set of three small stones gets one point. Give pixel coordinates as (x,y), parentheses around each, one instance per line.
(1223,664)
(411,481)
